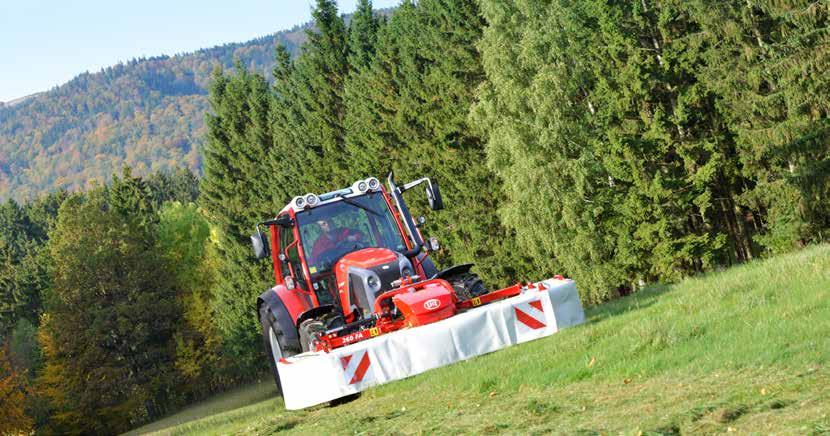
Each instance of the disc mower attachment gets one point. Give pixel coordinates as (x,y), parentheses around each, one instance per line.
(529,312)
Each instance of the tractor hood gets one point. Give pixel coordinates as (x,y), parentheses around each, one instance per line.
(364,274)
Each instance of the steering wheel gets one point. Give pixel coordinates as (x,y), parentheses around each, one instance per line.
(340,249)
(346,246)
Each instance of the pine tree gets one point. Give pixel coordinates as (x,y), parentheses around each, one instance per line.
(24,258)
(373,100)
(179,185)
(132,197)
(606,119)
(289,164)
(110,316)
(362,35)
(769,63)
(238,191)
(317,100)
(357,92)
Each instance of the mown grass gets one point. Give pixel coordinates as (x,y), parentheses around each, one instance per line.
(742,350)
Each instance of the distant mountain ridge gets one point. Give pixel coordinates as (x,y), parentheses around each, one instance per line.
(18,100)
(147,113)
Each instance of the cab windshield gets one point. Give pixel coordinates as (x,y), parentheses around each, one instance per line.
(333,230)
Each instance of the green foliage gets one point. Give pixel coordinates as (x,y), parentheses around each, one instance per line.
(13,389)
(131,197)
(363,29)
(237,191)
(610,124)
(316,99)
(184,238)
(769,63)
(180,185)
(24,258)
(111,314)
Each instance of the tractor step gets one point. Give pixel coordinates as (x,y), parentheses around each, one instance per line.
(372,357)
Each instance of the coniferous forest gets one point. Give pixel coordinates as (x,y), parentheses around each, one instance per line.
(617,143)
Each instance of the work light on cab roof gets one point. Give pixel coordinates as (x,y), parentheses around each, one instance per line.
(301,202)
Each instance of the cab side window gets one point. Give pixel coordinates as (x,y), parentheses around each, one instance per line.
(292,262)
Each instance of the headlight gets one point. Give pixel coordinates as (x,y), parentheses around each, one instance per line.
(373,183)
(312,199)
(406,272)
(362,186)
(373,282)
(299,202)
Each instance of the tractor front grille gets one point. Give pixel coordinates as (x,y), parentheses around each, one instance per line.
(387,272)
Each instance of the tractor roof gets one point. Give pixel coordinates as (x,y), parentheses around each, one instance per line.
(310,200)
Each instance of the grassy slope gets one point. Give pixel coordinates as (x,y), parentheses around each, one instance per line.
(746,349)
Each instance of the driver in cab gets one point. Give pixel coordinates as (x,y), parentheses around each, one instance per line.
(330,238)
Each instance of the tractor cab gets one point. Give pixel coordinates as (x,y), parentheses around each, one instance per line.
(341,250)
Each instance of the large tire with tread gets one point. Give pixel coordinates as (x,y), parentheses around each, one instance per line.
(467,286)
(275,348)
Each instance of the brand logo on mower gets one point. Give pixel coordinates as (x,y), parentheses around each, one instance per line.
(432,304)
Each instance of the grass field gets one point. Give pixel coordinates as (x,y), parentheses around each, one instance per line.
(742,350)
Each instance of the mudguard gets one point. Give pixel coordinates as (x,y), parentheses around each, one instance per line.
(280,312)
(453,270)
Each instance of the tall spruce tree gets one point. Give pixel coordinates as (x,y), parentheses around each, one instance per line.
(604,118)
(110,316)
(24,258)
(363,35)
(132,197)
(372,100)
(290,164)
(237,191)
(769,63)
(317,99)
(363,29)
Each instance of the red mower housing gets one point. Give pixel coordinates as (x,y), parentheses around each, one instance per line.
(433,301)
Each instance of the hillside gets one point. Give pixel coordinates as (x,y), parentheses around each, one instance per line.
(745,349)
(148,113)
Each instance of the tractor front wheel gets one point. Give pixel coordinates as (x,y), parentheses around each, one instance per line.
(272,338)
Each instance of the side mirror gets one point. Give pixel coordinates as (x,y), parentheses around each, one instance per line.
(434,195)
(260,243)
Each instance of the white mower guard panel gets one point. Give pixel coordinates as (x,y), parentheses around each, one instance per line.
(317,377)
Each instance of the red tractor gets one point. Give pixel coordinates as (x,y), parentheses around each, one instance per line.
(352,264)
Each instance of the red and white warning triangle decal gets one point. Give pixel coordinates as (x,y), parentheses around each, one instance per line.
(530,318)
(357,367)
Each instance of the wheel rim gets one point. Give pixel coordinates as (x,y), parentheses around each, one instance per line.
(276,351)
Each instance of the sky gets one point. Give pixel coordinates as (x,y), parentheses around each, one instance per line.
(44,43)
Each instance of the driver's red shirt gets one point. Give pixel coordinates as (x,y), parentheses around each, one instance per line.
(326,242)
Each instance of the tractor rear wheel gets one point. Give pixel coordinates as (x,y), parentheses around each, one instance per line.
(467,286)
(272,338)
